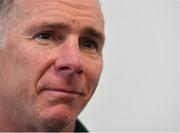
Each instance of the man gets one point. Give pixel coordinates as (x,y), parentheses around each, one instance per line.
(50,62)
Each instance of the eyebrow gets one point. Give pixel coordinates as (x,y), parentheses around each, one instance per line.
(46,26)
(53,26)
(94,33)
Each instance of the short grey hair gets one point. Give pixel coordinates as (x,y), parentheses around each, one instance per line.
(5,6)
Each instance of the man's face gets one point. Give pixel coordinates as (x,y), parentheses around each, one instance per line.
(50,62)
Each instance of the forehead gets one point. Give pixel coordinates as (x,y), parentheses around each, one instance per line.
(92,7)
(75,3)
(72,11)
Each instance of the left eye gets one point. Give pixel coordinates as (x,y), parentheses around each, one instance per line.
(88,43)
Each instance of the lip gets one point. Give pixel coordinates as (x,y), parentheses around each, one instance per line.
(60,94)
(62,90)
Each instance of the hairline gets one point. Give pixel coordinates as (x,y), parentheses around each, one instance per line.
(5,7)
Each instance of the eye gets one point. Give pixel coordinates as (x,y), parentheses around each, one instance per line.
(44,35)
(89,43)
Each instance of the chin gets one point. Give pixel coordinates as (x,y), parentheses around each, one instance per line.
(56,118)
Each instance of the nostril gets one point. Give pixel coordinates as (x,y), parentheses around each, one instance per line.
(71,70)
(64,68)
(80,71)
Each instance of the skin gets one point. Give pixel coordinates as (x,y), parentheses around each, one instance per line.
(51,62)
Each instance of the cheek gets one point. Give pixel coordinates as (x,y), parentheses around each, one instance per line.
(14,77)
(30,62)
(21,67)
(93,71)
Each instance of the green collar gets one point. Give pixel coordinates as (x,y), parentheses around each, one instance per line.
(80,127)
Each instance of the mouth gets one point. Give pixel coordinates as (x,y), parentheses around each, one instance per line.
(63,90)
(60,94)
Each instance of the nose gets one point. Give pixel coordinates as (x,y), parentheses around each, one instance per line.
(69,60)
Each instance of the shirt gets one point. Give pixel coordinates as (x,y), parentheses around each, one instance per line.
(80,127)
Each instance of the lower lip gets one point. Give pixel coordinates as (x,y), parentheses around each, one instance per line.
(54,95)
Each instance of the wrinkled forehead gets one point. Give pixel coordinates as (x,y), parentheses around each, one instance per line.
(75,4)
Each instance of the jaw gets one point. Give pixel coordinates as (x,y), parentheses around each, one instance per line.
(56,116)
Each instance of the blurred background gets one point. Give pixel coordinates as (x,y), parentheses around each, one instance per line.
(139,89)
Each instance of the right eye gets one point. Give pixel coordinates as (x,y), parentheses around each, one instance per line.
(44,36)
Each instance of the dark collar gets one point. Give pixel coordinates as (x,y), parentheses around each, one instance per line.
(80,127)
